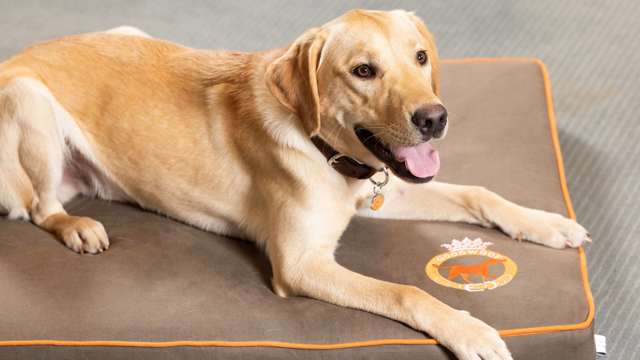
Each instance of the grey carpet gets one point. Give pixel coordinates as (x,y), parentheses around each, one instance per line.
(590,48)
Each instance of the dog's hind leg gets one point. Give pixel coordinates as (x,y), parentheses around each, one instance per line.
(33,160)
(16,192)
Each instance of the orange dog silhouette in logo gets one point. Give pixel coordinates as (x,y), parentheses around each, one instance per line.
(465,271)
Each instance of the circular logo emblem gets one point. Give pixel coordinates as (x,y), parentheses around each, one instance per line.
(468,265)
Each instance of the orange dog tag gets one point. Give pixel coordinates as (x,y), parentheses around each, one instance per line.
(377,201)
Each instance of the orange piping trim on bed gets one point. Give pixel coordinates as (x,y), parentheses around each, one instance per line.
(309,346)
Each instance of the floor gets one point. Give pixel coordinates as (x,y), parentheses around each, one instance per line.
(590,48)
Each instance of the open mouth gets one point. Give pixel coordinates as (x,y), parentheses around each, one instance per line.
(417,164)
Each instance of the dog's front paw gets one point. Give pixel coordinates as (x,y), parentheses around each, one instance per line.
(470,338)
(549,229)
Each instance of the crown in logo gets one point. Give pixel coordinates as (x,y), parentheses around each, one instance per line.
(466,244)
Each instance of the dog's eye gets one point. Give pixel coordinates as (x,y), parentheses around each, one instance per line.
(364,71)
(421,56)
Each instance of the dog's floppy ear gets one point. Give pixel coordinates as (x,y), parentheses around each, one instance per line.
(432,52)
(292,79)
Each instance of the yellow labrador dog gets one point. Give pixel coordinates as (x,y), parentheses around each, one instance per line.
(275,146)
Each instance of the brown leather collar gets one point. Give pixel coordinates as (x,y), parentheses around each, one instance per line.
(343,164)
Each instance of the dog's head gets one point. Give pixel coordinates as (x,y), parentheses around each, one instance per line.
(367,82)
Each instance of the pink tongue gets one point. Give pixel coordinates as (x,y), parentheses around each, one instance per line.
(421,160)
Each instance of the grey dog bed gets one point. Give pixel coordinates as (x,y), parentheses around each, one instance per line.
(166,290)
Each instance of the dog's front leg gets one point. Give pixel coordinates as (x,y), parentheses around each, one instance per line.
(476,205)
(302,257)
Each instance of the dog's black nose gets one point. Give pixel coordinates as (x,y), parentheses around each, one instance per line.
(430,120)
